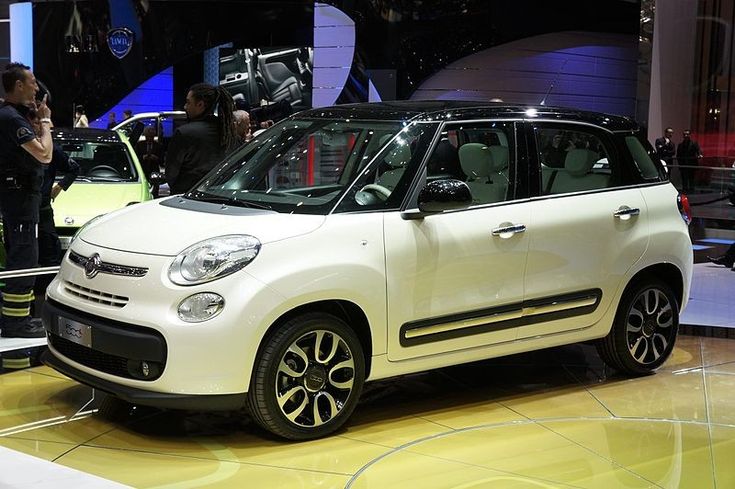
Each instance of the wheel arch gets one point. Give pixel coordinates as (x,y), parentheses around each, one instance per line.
(667,272)
(347,311)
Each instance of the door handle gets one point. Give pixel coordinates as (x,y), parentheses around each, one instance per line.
(508,230)
(624,212)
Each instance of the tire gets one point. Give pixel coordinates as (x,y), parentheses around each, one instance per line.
(645,328)
(299,394)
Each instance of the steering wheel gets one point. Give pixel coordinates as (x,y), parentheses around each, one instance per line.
(104,171)
(378,189)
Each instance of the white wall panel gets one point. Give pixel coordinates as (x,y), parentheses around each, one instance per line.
(590,71)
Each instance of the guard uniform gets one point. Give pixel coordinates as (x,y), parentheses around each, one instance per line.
(21,176)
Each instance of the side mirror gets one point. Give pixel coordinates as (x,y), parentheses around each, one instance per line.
(439,196)
(157,178)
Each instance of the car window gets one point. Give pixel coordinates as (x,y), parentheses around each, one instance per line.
(300,166)
(101,161)
(384,183)
(478,153)
(573,159)
(642,159)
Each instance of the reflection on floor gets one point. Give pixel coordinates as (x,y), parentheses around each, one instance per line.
(554,418)
(711,296)
(711,300)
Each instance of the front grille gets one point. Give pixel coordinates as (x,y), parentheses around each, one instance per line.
(96,296)
(88,357)
(93,265)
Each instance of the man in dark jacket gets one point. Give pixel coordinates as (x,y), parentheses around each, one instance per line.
(665,147)
(687,157)
(49,246)
(199,145)
(150,154)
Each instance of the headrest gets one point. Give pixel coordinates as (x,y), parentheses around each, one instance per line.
(399,155)
(579,162)
(499,160)
(384,139)
(476,160)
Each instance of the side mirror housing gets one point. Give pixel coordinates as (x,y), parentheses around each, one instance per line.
(439,196)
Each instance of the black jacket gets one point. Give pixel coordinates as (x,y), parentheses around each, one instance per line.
(60,162)
(665,150)
(193,151)
(688,152)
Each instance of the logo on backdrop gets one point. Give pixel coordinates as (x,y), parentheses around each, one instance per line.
(120,41)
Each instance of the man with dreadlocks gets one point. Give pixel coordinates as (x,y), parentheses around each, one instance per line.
(199,145)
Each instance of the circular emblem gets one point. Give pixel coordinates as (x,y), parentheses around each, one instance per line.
(23,132)
(69,220)
(120,41)
(92,267)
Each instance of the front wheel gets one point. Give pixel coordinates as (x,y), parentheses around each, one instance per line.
(645,328)
(307,377)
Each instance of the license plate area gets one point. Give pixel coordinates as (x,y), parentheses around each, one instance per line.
(74,331)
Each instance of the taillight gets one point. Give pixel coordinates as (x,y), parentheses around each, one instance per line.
(682,201)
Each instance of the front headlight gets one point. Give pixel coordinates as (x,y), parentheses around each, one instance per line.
(213,258)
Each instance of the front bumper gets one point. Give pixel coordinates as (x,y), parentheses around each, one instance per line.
(147,398)
(134,319)
(119,348)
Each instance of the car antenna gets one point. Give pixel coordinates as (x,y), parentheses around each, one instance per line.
(551,87)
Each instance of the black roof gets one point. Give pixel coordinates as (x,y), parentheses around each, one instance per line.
(453,109)
(86,134)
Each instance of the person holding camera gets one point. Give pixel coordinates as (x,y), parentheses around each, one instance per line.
(22,157)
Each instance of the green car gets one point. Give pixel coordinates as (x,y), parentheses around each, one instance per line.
(110,178)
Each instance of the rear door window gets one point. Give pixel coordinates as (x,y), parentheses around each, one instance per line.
(574,159)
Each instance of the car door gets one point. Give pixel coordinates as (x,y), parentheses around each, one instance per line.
(588,226)
(455,279)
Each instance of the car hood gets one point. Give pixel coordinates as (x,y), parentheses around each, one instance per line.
(83,201)
(157,228)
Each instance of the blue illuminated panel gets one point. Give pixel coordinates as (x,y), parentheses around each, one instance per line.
(154,95)
(21,33)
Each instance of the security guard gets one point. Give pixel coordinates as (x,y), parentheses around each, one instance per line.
(22,154)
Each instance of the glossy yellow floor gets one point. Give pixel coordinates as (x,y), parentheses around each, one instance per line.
(550,419)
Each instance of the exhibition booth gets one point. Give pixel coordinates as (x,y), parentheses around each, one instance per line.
(421,235)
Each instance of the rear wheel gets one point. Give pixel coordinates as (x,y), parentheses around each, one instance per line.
(645,328)
(307,378)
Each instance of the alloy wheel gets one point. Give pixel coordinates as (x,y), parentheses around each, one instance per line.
(315,378)
(650,326)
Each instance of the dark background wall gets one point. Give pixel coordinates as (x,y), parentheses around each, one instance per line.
(168,33)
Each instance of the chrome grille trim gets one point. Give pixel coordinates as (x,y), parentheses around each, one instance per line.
(109,268)
(96,296)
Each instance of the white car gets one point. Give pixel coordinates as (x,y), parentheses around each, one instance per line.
(360,242)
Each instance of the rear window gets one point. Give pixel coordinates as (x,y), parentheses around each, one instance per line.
(101,161)
(642,158)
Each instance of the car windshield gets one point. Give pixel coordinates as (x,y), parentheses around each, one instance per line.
(300,166)
(101,161)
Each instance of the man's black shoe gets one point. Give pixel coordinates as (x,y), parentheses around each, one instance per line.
(721,260)
(27,328)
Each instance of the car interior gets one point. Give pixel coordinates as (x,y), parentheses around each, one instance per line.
(271,74)
(584,163)
(101,161)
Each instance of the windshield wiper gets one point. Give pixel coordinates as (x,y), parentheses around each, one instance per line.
(216,199)
(105,179)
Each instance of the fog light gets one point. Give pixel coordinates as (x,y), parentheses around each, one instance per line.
(144,369)
(200,307)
